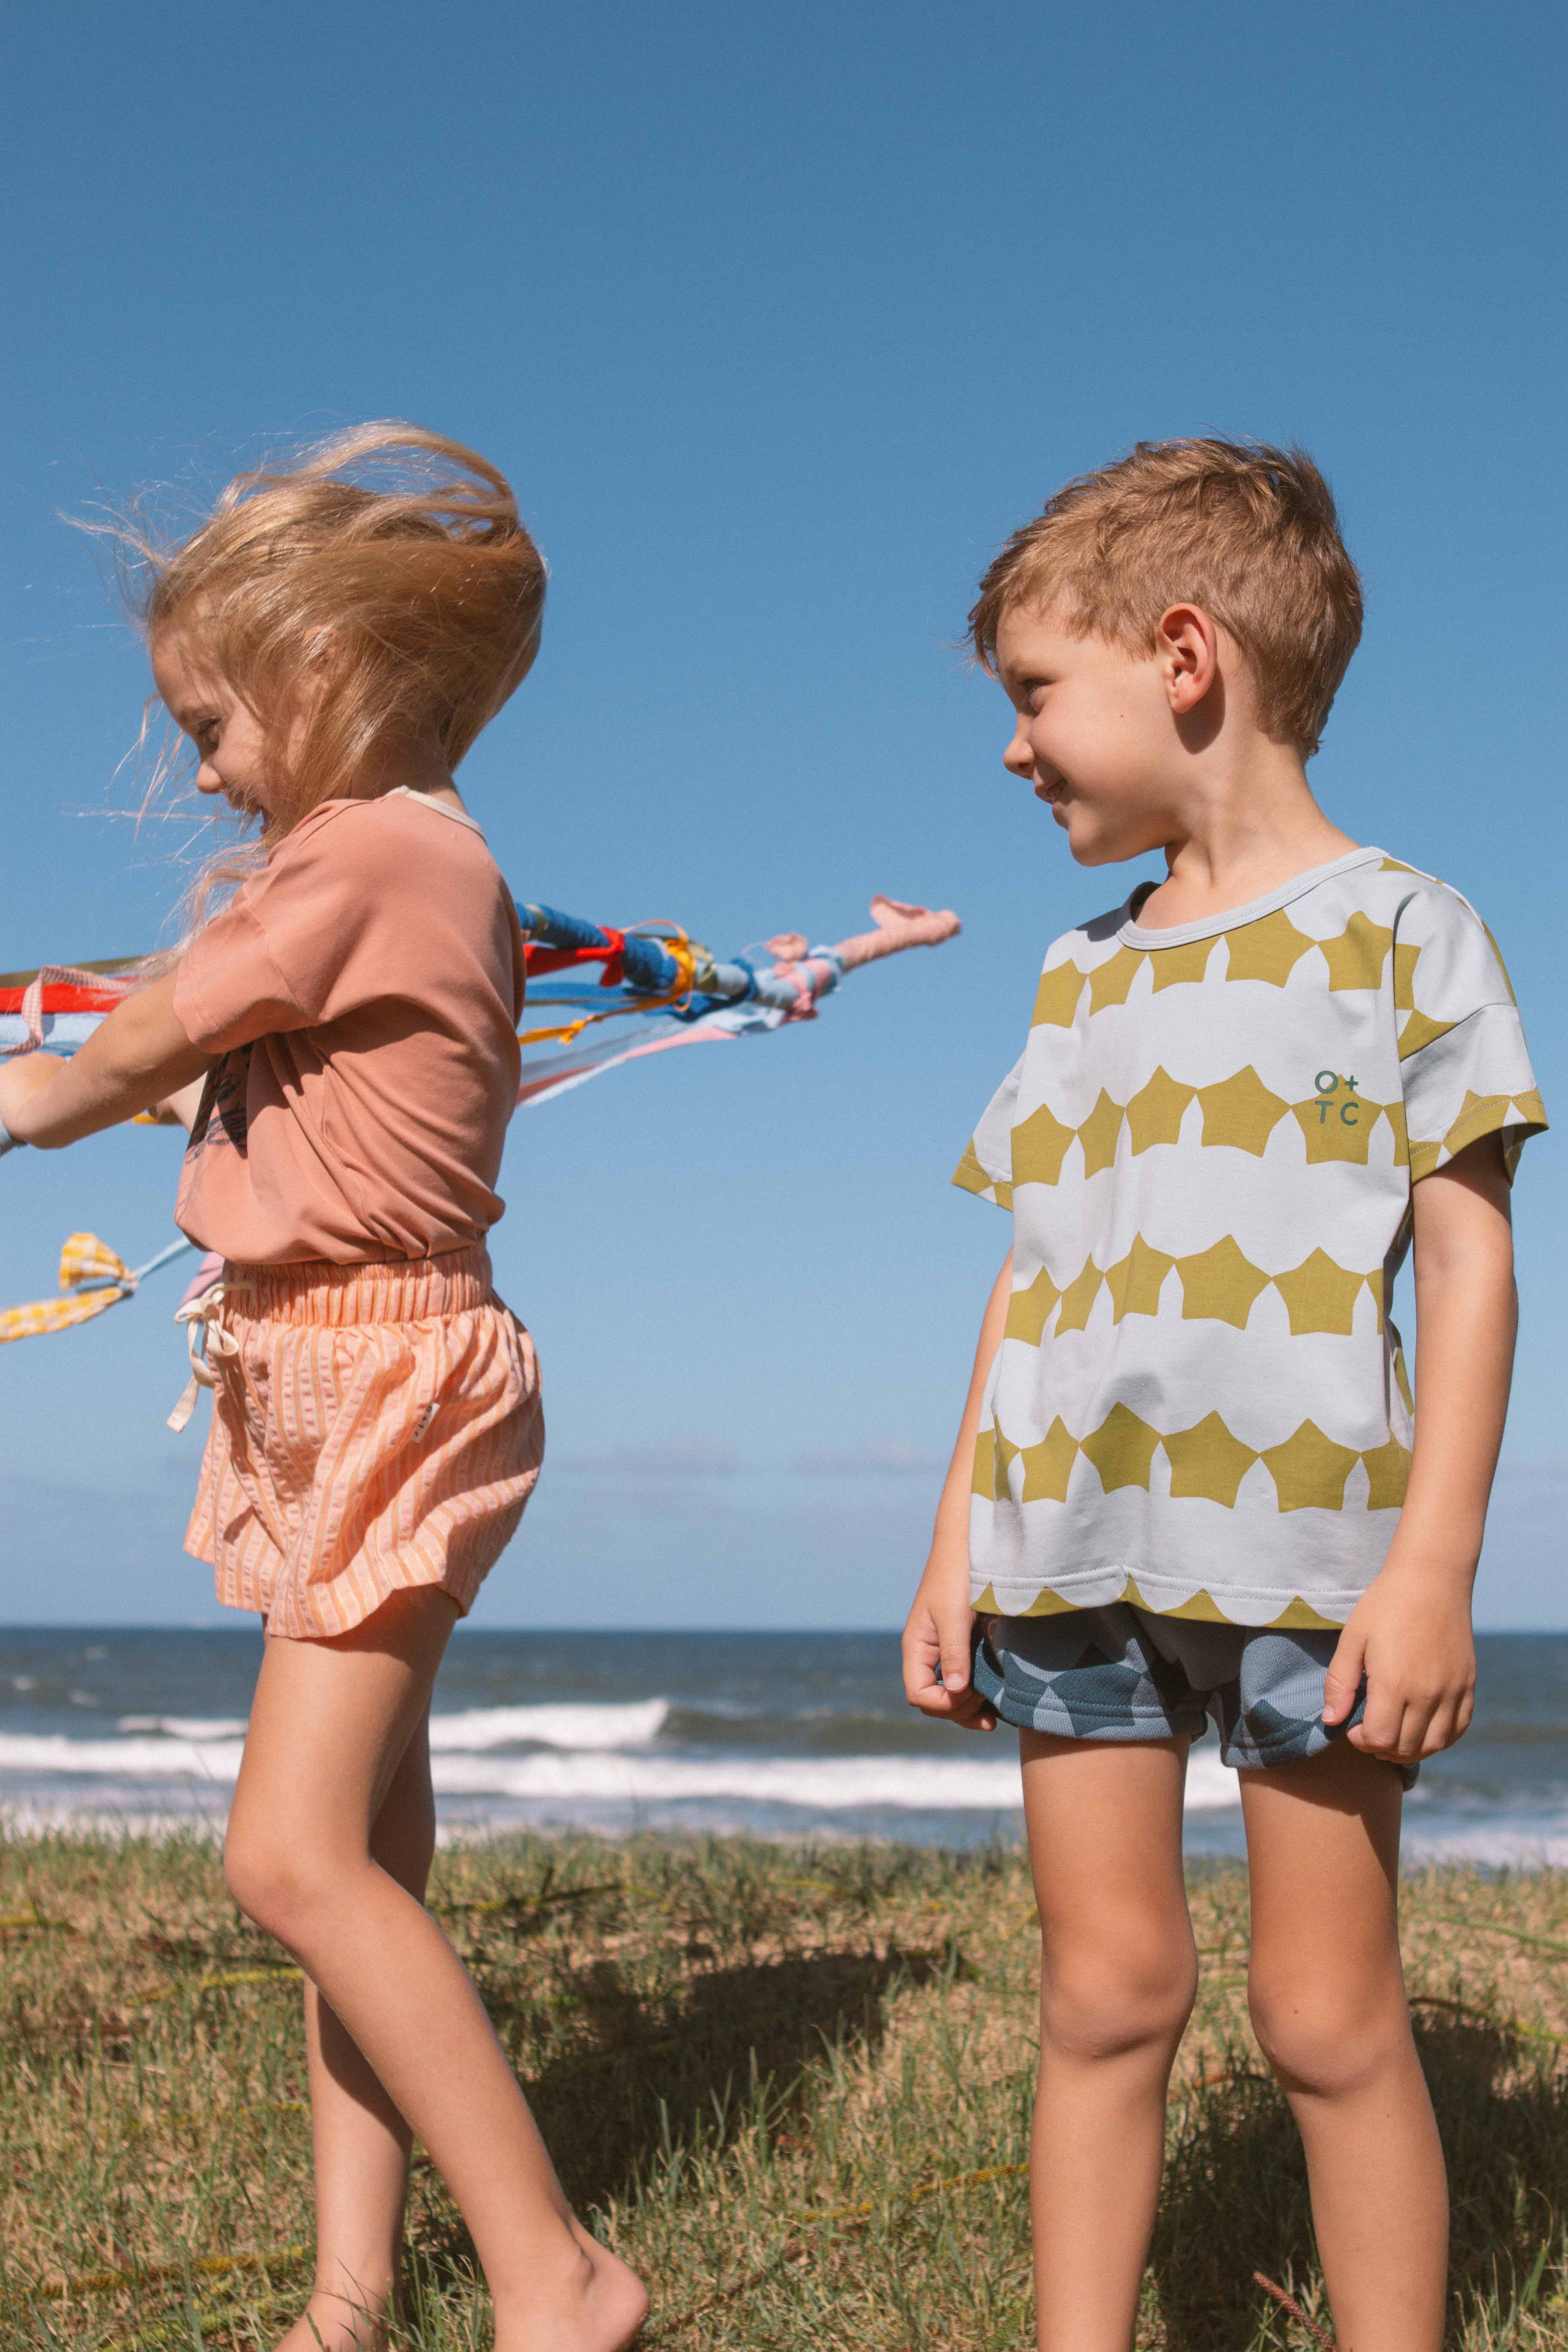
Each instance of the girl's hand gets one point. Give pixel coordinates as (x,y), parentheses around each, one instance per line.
(937,1636)
(1409,1636)
(20,1081)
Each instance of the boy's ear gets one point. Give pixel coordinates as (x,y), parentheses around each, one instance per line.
(1186,646)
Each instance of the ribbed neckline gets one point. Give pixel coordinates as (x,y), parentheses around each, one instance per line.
(1133,934)
(458,816)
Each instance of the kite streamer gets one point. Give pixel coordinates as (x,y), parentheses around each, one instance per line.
(92,1277)
(621,995)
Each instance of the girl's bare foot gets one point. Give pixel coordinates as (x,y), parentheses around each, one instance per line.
(598,2308)
(330,2323)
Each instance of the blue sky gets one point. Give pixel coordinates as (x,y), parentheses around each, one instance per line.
(779,321)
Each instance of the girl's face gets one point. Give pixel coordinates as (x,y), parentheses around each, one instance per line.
(229,737)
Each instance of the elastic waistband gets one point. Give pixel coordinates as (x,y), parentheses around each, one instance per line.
(391,1290)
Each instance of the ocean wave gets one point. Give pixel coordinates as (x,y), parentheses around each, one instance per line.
(569,1772)
(470,1729)
(831,1784)
(131,1760)
(187,1727)
(476,1729)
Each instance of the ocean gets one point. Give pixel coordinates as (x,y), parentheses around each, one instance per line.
(785,1735)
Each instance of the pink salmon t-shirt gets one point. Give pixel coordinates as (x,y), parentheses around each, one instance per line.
(362,993)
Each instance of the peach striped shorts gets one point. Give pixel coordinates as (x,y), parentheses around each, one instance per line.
(374,1427)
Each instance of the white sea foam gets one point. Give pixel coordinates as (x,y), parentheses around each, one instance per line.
(478,1728)
(187,1727)
(826,1784)
(579,1756)
(470,1729)
(129,1760)
(1211,1785)
(576,1776)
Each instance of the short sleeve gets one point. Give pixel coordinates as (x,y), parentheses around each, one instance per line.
(228,990)
(1464,1068)
(315,935)
(986,1167)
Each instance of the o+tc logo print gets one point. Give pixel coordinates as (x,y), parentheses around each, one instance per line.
(1327,1084)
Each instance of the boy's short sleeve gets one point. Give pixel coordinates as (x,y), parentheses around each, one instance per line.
(986,1167)
(1464,1068)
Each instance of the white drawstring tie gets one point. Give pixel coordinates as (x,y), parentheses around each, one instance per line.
(205,1335)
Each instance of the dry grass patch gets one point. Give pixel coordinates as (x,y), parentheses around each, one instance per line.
(791,2083)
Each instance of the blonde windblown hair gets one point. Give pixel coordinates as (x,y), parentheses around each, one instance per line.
(380,586)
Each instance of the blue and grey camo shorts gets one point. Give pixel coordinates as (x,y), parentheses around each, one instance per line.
(1122,1674)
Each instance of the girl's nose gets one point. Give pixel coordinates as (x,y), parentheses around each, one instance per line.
(207,778)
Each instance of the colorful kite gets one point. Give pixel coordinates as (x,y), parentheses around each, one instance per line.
(654,989)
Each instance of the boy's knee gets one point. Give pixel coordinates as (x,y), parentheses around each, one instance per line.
(1325,2040)
(1113,2001)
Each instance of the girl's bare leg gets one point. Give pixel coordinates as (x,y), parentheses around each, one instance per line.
(362,2143)
(1117,1979)
(329,1727)
(1328,2006)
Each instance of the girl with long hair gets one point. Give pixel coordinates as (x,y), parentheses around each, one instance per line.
(332,640)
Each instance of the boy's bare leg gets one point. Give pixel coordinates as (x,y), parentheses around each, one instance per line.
(329,1730)
(1328,2006)
(1117,1979)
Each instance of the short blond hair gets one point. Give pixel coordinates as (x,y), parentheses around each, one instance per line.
(1246,532)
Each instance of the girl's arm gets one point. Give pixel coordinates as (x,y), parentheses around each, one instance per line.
(937,1632)
(138,1055)
(1410,1634)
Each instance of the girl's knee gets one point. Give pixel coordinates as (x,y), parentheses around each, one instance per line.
(276,1886)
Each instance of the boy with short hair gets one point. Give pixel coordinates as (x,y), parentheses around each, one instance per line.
(1188,1481)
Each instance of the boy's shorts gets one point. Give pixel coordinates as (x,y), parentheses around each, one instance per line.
(1124,1674)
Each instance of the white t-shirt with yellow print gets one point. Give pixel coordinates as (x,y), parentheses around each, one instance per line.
(1208,1146)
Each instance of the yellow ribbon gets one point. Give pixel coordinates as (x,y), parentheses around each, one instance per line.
(84,1259)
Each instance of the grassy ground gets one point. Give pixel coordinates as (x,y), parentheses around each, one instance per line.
(790,2084)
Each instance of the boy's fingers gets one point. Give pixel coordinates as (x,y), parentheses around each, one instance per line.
(1379,1728)
(1343,1681)
(1447,1725)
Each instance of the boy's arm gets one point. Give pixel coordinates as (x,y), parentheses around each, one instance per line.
(138,1055)
(937,1632)
(1409,1635)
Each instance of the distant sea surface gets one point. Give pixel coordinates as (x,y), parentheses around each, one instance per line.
(781,1733)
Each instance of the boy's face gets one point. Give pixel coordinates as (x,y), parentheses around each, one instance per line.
(1096,735)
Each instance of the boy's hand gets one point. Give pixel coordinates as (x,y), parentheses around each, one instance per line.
(937,1644)
(1409,1636)
(937,1635)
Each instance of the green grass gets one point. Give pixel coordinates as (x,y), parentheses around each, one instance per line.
(792,2085)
